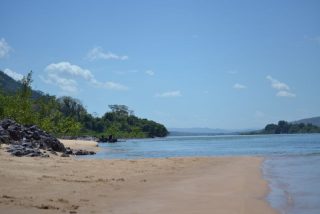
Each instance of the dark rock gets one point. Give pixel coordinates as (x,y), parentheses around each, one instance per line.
(27,145)
(3,131)
(54,153)
(33,128)
(32,155)
(54,144)
(27,140)
(113,141)
(68,151)
(110,139)
(18,153)
(36,135)
(5,139)
(64,155)
(83,152)
(15,132)
(20,150)
(28,136)
(6,123)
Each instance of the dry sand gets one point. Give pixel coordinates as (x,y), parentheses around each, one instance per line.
(81,144)
(175,185)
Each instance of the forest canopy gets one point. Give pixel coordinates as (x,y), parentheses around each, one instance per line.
(284,127)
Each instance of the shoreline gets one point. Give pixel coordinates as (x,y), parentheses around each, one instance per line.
(81,144)
(167,185)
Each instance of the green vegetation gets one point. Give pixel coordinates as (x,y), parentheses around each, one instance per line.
(313,120)
(66,116)
(283,127)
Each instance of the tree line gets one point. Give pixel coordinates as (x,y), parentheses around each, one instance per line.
(66,116)
(284,127)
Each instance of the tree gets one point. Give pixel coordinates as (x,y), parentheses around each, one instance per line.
(25,91)
(71,107)
(270,128)
(283,126)
(121,109)
(23,104)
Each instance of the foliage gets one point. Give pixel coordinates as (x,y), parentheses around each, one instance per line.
(66,116)
(19,106)
(10,87)
(283,127)
(122,123)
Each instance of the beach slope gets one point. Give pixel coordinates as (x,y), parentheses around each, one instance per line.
(174,185)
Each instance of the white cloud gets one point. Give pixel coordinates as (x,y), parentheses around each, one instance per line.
(13,74)
(110,85)
(276,84)
(98,53)
(4,48)
(65,84)
(68,68)
(232,72)
(169,94)
(239,86)
(285,94)
(150,72)
(64,75)
(283,89)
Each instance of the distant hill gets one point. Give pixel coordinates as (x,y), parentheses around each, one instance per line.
(313,120)
(202,131)
(10,86)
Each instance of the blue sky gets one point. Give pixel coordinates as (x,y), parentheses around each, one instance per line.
(217,64)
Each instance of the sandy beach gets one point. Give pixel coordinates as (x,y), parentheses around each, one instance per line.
(173,185)
(81,144)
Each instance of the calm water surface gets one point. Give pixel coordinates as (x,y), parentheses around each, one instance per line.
(292,164)
(233,145)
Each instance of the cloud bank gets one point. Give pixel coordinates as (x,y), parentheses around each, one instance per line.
(150,72)
(4,48)
(283,88)
(285,94)
(65,75)
(239,86)
(98,53)
(169,94)
(276,84)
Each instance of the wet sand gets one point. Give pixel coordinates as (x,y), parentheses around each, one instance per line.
(173,185)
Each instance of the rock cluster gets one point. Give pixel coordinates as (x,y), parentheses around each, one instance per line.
(32,141)
(110,139)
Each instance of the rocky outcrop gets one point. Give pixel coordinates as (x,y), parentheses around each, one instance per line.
(31,141)
(110,139)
